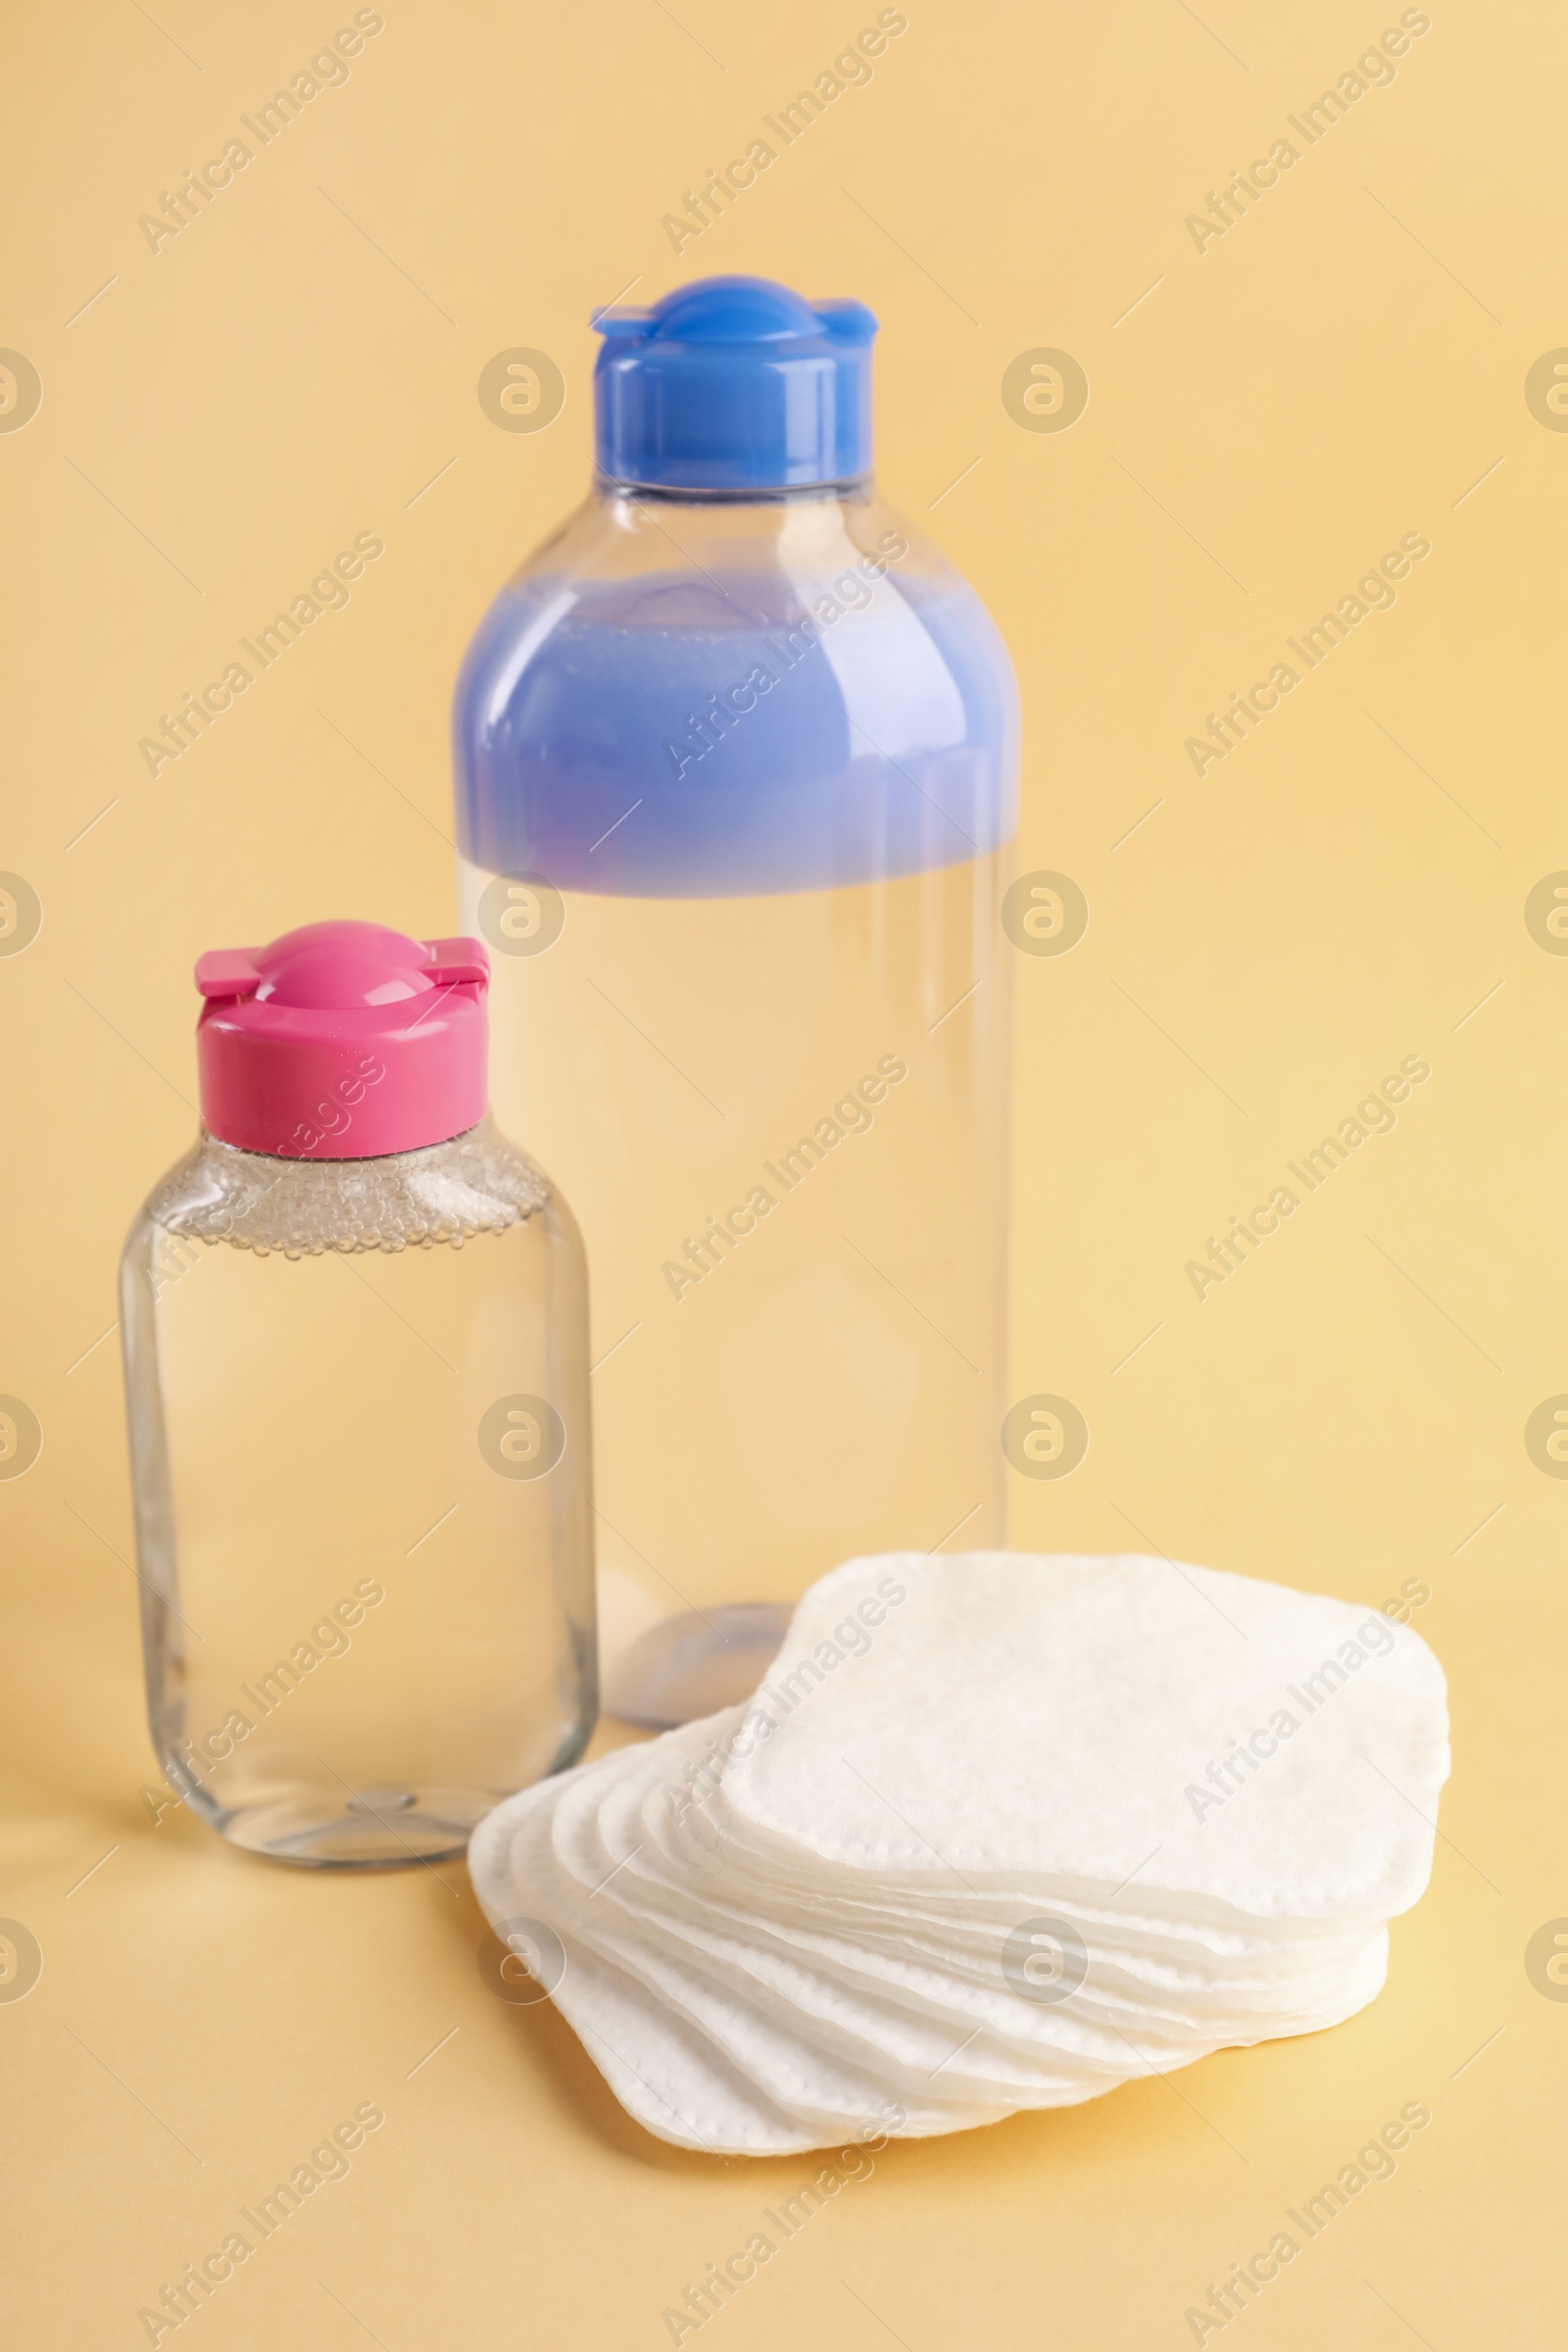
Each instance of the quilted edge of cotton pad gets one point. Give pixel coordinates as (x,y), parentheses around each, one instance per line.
(850,2030)
(915,1990)
(734,2115)
(732,2119)
(800,2072)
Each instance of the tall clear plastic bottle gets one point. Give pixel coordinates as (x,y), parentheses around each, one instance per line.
(736,761)
(355,1325)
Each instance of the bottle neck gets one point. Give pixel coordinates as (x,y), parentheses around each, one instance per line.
(856,490)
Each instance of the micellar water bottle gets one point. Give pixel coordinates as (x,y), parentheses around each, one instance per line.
(736,780)
(354,1324)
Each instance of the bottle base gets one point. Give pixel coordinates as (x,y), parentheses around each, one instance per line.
(375,1829)
(693,1664)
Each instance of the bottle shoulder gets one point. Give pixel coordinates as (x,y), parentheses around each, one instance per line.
(478,1181)
(642,573)
(616,533)
(699,696)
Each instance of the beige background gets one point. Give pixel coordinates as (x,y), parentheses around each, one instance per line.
(1344,366)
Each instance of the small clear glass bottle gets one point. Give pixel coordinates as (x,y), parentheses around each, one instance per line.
(356,1345)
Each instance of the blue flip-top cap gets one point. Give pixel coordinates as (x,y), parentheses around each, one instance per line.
(734,383)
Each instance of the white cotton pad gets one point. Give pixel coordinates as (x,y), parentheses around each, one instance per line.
(1127,1992)
(801,2075)
(1161,2008)
(666,2074)
(821,2096)
(676,1823)
(1203,1957)
(1058,1723)
(921,2029)
(997,1832)
(1209,1953)
(907,2042)
(669,2076)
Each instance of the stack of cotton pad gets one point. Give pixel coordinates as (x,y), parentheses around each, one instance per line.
(998,1832)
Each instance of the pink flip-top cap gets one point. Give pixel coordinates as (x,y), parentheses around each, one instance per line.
(342,1041)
